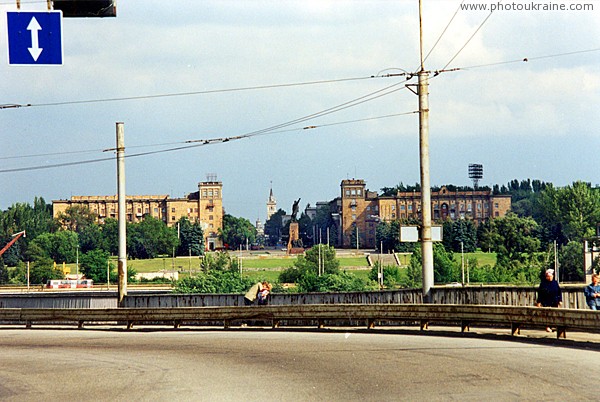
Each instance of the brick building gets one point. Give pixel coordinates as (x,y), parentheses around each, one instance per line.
(360,209)
(204,206)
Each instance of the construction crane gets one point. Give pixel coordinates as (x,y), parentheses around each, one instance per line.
(10,243)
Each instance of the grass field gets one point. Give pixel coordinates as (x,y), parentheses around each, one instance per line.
(268,268)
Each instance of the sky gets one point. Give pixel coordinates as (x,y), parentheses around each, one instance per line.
(266,70)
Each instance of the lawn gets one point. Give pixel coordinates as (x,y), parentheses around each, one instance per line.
(269,268)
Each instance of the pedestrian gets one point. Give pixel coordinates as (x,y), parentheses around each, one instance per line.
(252,294)
(264,293)
(592,293)
(549,293)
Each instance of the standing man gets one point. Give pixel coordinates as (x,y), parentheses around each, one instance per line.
(592,293)
(549,293)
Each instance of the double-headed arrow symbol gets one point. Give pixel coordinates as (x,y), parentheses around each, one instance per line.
(35,50)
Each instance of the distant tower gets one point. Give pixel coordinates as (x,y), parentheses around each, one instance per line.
(271,204)
(475,174)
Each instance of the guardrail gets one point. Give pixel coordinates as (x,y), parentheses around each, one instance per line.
(463,315)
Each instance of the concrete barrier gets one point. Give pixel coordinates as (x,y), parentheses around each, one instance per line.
(464,315)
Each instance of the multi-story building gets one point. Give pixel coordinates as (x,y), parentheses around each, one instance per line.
(361,209)
(204,206)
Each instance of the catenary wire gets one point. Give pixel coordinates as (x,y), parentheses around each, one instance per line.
(178,94)
(443,32)
(470,38)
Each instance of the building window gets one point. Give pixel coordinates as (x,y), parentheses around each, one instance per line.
(353,191)
(210,193)
(210,217)
(353,217)
(393,216)
(497,214)
(347,192)
(393,207)
(496,206)
(173,218)
(172,209)
(368,208)
(216,193)
(353,207)
(156,210)
(410,208)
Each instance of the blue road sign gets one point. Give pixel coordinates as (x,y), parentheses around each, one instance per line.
(34,38)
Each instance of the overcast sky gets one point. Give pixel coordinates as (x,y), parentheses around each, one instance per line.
(537,119)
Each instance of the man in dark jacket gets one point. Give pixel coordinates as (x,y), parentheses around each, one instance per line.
(549,293)
(592,293)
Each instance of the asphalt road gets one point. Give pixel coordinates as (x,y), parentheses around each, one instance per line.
(253,365)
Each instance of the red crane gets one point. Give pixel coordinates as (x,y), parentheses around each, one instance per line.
(10,243)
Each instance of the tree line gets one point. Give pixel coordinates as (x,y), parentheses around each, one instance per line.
(523,240)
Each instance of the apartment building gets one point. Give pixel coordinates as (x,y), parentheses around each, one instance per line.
(204,206)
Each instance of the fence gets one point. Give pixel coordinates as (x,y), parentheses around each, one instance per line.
(573,298)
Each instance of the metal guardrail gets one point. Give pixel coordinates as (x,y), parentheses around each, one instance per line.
(464,315)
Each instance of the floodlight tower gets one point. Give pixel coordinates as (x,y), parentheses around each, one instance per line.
(475,173)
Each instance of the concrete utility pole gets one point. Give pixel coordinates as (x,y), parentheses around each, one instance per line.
(426,241)
(122,213)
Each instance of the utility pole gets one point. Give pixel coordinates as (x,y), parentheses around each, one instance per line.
(122,213)
(426,241)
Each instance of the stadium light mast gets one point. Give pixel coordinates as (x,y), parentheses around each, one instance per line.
(475,174)
(426,240)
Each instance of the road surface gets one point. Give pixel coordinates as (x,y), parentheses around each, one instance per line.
(107,364)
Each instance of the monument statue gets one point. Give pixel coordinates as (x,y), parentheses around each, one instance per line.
(295,209)
(294,242)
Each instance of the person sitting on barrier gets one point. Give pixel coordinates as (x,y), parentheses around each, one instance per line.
(252,294)
(549,293)
(592,293)
(264,293)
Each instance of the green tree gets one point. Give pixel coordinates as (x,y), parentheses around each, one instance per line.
(92,237)
(214,282)
(570,258)
(236,232)
(191,238)
(40,272)
(76,218)
(391,275)
(60,247)
(445,270)
(93,265)
(308,264)
(33,219)
(459,233)
(150,238)
(512,237)
(274,228)
(570,213)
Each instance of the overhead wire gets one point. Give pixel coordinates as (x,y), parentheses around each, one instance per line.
(470,38)
(196,143)
(443,32)
(179,94)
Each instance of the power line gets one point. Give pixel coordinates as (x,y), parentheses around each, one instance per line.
(178,94)
(444,31)
(190,144)
(527,59)
(469,40)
